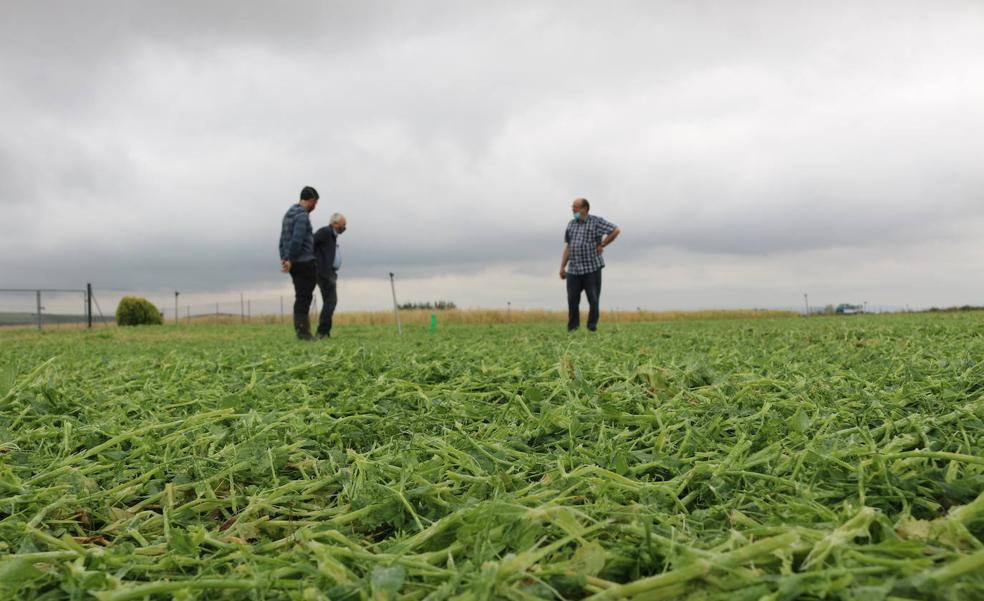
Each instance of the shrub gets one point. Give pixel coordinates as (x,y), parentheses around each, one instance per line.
(136,311)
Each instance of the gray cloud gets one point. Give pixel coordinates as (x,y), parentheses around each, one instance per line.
(159,144)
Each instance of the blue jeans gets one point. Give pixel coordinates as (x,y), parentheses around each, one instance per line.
(590,283)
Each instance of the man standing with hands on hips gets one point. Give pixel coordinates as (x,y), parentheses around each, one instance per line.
(297,258)
(581,264)
(329,260)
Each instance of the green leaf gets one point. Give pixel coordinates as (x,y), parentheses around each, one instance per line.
(16,572)
(386,582)
(589,560)
(799,422)
(181,542)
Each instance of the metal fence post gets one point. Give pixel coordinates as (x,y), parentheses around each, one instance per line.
(88,304)
(396,307)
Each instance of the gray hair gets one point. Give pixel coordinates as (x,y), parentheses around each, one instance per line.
(335,218)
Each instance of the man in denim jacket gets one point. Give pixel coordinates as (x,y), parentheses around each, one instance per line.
(297,258)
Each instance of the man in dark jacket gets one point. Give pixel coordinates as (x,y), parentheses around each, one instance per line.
(297,258)
(329,260)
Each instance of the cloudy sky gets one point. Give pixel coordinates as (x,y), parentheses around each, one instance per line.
(750,151)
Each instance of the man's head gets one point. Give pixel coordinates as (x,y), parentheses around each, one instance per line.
(309,198)
(338,222)
(580,208)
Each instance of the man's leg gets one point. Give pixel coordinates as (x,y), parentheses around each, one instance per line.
(592,290)
(574,285)
(304,276)
(329,298)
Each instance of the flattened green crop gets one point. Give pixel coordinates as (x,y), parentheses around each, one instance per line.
(765,459)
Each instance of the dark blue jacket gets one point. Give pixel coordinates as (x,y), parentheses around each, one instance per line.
(296,236)
(325,245)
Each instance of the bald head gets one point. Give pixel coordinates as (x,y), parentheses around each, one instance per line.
(580,208)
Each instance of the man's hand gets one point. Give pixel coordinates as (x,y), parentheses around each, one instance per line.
(600,249)
(563,273)
(285,266)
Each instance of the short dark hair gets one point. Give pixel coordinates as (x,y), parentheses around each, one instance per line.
(309,193)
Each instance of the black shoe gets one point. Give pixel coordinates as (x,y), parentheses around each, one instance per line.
(323,335)
(302,327)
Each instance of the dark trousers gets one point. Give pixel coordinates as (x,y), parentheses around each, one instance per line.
(304,276)
(590,283)
(329,298)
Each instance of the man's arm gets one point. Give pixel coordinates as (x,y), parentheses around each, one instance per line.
(609,239)
(563,261)
(284,248)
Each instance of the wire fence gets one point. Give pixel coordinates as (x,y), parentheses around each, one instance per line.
(44,307)
(88,307)
(231,307)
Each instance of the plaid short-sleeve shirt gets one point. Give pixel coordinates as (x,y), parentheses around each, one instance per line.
(583,238)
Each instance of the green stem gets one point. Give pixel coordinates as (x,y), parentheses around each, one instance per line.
(699,567)
(968,564)
(678,576)
(156,588)
(40,556)
(939,455)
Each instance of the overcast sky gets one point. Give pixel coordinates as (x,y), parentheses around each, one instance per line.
(750,151)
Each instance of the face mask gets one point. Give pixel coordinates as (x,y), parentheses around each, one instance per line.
(340,231)
(577,216)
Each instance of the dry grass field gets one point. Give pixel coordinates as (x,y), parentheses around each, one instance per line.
(497,316)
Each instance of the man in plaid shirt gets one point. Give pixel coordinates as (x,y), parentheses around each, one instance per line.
(581,264)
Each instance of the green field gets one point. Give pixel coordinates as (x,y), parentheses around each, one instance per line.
(772,459)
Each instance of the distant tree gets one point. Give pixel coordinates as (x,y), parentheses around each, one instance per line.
(954,309)
(440,305)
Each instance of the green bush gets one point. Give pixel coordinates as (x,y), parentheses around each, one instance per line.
(136,311)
